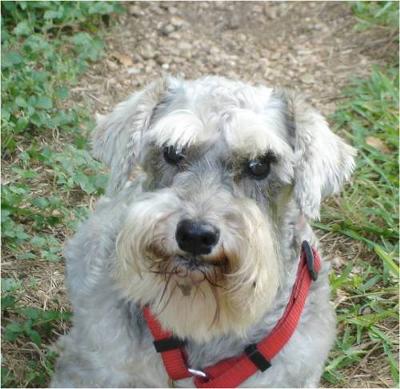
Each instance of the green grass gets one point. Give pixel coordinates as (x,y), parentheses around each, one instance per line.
(367,213)
(376,13)
(46,46)
(368,216)
(28,324)
(369,209)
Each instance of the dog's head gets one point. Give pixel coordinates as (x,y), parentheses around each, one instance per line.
(218,163)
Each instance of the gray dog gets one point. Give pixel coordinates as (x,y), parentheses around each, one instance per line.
(199,267)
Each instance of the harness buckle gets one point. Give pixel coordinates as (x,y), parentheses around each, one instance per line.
(197,373)
(168,344)
(257,357)
(305,246)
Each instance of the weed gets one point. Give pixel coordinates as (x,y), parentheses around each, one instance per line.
(380,13)
(368,213)
(366,289)
(46,46)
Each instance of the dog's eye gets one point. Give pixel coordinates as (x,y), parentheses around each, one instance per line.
(259,168)
(173,156)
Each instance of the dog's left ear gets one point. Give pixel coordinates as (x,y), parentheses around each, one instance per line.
(116,138)
(323,161)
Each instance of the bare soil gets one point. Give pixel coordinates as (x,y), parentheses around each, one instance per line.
(308,46)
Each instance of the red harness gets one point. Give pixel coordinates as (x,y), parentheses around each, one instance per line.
(231,372)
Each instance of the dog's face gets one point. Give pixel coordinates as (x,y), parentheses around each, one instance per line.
(218,163)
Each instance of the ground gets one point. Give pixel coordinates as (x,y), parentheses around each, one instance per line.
(308,46)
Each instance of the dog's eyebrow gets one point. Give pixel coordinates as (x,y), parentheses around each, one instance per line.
(179,128)
(251,134)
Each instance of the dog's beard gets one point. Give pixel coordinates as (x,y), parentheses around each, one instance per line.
(191,277)
(198,297)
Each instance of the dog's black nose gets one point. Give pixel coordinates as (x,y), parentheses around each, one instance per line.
(196,237)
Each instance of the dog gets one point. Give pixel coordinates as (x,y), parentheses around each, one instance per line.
(191,269)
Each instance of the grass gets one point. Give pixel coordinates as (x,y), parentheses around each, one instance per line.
(46,46)
(365,283)
(49,178)
(367,213)
(372,14)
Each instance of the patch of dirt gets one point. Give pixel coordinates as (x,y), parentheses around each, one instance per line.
(308,46)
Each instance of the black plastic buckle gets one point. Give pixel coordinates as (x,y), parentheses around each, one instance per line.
(256,357)
(305,246)
(168,344)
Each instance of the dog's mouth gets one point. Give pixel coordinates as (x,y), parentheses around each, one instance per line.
(188,270)
(184,263)
(188,274)
(198,269)
(193,263)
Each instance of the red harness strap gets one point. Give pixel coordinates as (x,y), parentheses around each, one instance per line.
(231,372)
(173,357)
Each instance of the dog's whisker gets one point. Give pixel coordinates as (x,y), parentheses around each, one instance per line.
(196,291)
(217,306)
(172,291)
(212,283)
(161,271)
(166,286)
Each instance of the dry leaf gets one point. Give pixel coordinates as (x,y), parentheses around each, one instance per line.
(337,262)
(341,296)
(376,143)
(111,65)
(123,59)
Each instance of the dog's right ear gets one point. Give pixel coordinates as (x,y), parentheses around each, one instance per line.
(323,161)
(116,138)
